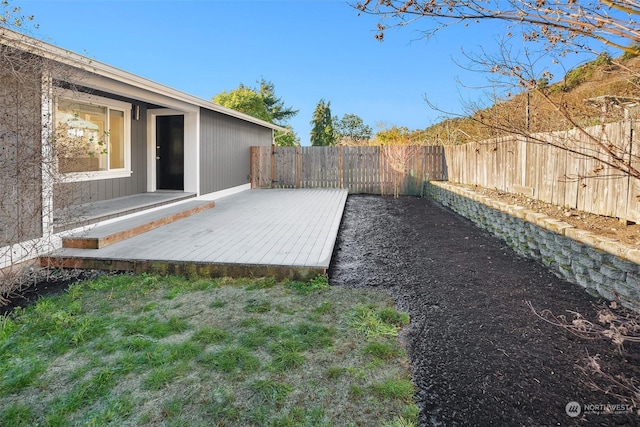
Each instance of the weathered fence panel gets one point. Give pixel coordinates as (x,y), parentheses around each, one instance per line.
(633,194)
(320,167)
(261,167)
(285,168)
(538,168)
(360,169)
(572,176)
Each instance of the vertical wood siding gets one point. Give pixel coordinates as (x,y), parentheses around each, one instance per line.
(20,159)
(225,142)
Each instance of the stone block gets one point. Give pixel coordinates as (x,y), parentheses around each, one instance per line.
(556,225)
(534,254)
(597,256)
(550,262)
(586,261)
(633,281)
(633,255)
(611,246)
(535,217)
(613,273)
(584,280)
(579,268)
(625,265)
(562,260)
(626,291)
(606,291)
(577,234)
(596,277)
(566,271)
(577,247)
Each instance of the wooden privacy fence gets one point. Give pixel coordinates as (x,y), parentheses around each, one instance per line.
(360,169)
(555,175)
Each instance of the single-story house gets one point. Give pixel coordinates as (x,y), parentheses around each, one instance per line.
(75,131)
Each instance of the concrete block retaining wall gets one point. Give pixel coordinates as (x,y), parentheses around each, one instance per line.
(600,265)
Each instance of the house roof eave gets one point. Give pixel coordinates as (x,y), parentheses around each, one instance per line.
(81,62)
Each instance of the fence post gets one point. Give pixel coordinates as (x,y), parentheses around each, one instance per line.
(252,165)
(298,166)
(340,165)
(273,164)
(381,175)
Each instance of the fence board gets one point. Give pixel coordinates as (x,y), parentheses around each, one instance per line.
(542,168)
(285,174)
(360,169)
(261,167)
(538,169)
(633,196)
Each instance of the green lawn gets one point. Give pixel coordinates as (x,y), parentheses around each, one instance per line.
(146,350)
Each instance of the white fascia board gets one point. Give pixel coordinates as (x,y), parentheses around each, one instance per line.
(115,87)
(63,56)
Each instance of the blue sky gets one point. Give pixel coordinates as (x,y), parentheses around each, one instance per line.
(310,50)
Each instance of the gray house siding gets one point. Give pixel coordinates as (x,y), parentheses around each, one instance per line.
(225,150)
(75,193)
(20,155)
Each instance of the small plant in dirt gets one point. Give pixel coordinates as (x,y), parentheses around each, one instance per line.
(151,350)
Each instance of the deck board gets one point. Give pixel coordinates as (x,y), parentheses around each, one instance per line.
(295,228)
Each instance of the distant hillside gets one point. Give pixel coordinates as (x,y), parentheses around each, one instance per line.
(602,77)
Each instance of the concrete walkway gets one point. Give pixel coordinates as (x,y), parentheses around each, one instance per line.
(279,232)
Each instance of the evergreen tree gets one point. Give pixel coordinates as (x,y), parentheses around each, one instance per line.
(280,114)
(322,132)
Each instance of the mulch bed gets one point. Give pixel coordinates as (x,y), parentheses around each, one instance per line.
(41,282)
(480,355)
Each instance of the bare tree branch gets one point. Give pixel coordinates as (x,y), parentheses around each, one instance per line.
(611,22)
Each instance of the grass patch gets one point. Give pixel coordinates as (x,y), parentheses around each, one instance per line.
(394,389)
(210,335)
(318,284)
(271,392)
(152,350)
(382,350)
(233,359)
(256,306)
(373,322)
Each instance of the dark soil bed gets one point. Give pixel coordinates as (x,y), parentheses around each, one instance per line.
(38,283)
(480,355)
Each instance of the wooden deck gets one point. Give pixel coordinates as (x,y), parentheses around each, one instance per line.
(94,212)
(280,233)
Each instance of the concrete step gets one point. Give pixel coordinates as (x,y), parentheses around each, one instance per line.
(105,235)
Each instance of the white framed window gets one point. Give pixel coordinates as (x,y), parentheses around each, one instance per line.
(92,137)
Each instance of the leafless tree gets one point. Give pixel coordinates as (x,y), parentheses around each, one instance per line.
(533,108)
(399,156)
(555,22)
(28,150)
(559,27)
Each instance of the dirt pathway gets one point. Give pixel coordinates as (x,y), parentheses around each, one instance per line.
(479,354)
